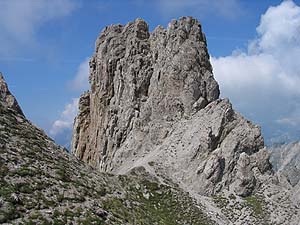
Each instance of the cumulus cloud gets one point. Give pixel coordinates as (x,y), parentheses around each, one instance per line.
(263,81)
(65,122)
(81,80)
(224,8)
(20,20)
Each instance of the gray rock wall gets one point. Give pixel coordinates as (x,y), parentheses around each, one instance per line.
(155,103)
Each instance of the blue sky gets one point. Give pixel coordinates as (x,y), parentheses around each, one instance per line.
(45,46)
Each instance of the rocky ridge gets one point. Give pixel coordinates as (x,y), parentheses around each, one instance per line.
(154,104)
(41,183)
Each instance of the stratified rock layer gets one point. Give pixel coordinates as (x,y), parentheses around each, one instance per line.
(155,103)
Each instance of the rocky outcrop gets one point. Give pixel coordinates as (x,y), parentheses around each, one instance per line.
(155,103)
(137,77)
(246,180)
(6,98)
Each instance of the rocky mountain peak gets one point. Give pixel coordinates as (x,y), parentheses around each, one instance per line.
(6,98)
(154,119)
(154,103)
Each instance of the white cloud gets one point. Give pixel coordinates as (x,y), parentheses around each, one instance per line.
(65,122)
(225,8)
(61,129)
(279,25)
(264,81)
(81,80)
(21,19)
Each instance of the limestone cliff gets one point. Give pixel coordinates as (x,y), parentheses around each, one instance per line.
(138,79)
(154,103)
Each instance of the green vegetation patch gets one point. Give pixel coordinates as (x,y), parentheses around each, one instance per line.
(151,203)
(25,171)
(63,174)
(6,190)
(3,171)
(8,212)
(220,201)
(256,204)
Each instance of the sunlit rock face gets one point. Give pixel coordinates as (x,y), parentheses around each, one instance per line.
(154,102)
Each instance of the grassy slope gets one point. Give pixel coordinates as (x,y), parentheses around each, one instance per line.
(42,184)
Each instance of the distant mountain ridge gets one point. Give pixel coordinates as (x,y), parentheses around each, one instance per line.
(285,159)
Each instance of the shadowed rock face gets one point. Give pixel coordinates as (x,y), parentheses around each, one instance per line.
(154,103)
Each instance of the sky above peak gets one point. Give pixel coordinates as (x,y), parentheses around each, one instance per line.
(254,45)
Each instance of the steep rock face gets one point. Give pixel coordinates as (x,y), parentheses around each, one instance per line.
(154,103)
(81,125)
(136,78)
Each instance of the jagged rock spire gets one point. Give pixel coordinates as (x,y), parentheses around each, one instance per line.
(155,103)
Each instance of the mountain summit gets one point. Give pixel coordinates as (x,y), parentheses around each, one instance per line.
(164,148)
(155,103)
